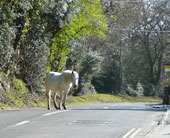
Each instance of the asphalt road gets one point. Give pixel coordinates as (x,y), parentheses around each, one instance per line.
(109,120)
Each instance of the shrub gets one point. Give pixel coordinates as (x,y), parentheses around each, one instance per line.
(19,85)
(136,92)
(7,34)
(87,62)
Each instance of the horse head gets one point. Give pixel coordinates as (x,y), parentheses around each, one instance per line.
(75,79)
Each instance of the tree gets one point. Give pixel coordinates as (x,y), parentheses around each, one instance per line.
(36,34)
(137,31)
(151,42)
(122,16)
(45,20)
(87,21)
(87,62)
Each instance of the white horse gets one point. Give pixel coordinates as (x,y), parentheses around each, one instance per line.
(60,83)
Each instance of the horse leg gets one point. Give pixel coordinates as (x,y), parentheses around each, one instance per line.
(64,101)
(61,98)
(56,97)
(48,96)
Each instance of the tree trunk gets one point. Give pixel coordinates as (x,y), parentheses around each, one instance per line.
(166,95)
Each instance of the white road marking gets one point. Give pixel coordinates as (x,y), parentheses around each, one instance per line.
(56,112)
(134,134)
(129,132)
(21,123)
(106,107)
(73,122)
(47,114)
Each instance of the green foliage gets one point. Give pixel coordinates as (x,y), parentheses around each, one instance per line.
(108,80)
(58,52)
(6,50)
(86,62)
(34,63)
(18,99)
(16,94)
(137,91)
(105,98)
(88,20)
(167,81)
(35,37)
(33,32)
(19,85)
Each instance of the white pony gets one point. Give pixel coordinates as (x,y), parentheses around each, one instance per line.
(60,83)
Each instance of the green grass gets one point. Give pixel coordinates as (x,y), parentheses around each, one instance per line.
(23,100)
(106,98)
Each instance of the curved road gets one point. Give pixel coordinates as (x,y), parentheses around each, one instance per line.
(101,120)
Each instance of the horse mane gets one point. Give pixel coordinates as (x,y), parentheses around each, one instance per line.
(67,75)
(67,71)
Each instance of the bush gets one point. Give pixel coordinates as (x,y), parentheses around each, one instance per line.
(87,63)
(136,92)
(19,85)
(34,64)
(7,34)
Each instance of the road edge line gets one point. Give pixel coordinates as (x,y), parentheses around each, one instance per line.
(135,133)
(56,112)
(129,132)
(22,123)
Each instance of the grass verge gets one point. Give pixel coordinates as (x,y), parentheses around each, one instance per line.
(39,100)
(106,98)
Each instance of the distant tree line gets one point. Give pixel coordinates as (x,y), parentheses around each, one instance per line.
(118,47)
(139,38)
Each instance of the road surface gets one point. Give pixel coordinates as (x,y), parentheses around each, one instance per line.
(101,120)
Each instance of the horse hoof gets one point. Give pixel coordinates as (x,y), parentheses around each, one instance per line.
(60,108)
(57,108)
(49,108)
(65,108)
